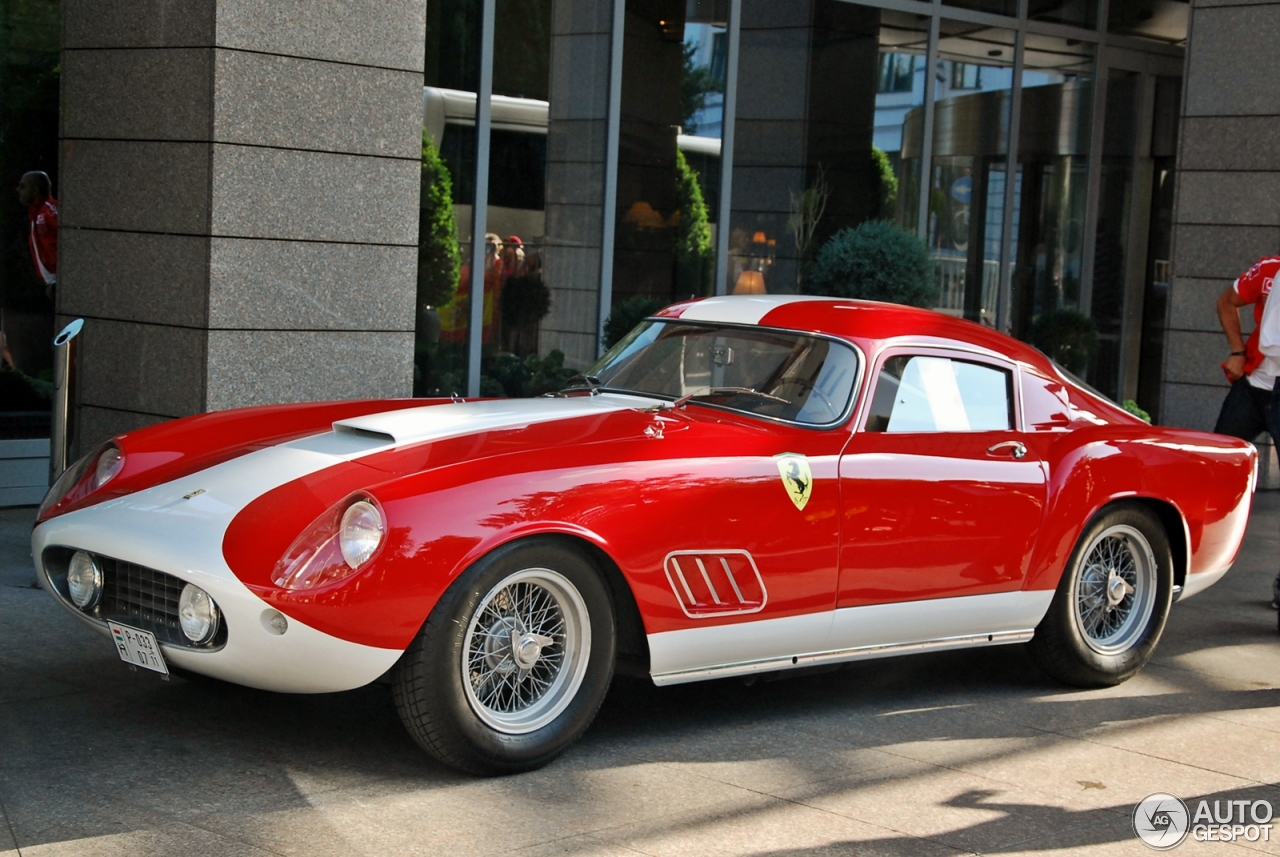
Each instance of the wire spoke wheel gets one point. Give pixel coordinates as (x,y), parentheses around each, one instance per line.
(1115,591)
(526,651)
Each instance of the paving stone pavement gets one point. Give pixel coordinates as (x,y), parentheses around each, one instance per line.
(942,754)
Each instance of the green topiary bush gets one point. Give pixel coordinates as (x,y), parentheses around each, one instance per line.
(626,315)
(439,259)
(1068,337)
(695,257)
(875,261)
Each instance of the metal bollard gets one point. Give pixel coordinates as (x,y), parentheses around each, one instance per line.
(64,379)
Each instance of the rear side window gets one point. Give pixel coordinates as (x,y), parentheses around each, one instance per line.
(937,394)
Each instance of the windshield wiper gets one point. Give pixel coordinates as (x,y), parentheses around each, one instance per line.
(591,382)
(727,391)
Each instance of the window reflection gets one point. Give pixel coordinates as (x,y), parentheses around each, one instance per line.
(516,297)
(447,195)
(998,7)
(1051,185)
(29,68)
(674,66)
(820,142)
(1158,20)
(969,170)
(1082,13)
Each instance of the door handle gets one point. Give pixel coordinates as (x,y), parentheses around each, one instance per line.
(1019,451)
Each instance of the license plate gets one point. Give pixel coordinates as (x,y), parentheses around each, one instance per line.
(138,648)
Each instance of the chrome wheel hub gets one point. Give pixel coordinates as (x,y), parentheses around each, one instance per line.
(525,652)
(1115,590)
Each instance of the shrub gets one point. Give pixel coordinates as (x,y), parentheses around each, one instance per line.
(1134,408)
(525,300)
(875,261)
(439,259)
(1069,337)
(21,392)
(532,376)
(625,316)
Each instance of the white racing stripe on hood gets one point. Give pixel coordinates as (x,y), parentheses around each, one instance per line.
(437,422)
(179,525)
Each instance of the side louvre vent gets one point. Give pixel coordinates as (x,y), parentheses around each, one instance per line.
(711,583)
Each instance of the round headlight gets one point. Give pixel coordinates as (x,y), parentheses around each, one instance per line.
(84,581)
(197,614)
(360,532)
(110,463)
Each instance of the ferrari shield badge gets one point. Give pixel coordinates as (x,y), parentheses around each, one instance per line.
(797,478)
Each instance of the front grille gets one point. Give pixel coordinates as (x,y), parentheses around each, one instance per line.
(133,595)
(143,598)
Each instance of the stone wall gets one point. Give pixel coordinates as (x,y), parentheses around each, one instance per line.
(239,202)
(1228,198)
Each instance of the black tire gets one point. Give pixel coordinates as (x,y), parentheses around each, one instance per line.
(1099,632)
(481,720)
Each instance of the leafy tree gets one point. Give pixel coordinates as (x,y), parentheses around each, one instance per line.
(696,82)
(439,259)
(695,257)
(875,261)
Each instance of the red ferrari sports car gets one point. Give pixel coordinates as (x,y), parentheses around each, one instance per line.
(742,485)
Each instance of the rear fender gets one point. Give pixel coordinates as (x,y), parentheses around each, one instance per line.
(1202,499)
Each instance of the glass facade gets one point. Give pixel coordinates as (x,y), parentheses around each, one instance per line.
(29,75)
(741,138)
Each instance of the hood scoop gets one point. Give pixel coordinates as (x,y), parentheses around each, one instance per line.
(437,422)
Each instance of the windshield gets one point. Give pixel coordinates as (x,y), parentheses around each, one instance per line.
(770,373)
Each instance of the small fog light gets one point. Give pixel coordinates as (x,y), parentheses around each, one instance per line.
(274,622)
(197,614)
(84,581)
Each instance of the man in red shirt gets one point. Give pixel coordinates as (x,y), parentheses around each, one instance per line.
(35,192)
(1251,407)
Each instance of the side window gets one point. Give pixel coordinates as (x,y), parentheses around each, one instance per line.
(938,394)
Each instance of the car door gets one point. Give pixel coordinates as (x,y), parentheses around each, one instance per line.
(941,498)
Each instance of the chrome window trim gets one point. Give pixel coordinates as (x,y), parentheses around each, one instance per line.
(933,347)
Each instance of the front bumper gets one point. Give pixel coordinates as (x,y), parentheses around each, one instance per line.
(175,530)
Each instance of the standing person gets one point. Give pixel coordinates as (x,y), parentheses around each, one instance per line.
(1252,367)
(36,193)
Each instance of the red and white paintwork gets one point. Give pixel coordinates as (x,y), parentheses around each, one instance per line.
(908,541)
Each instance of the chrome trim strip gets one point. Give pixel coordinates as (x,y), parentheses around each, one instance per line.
(733,581)
(715,596)
(684,584)
(671,563)
(1000,638)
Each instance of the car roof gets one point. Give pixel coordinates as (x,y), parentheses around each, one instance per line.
(865,322)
